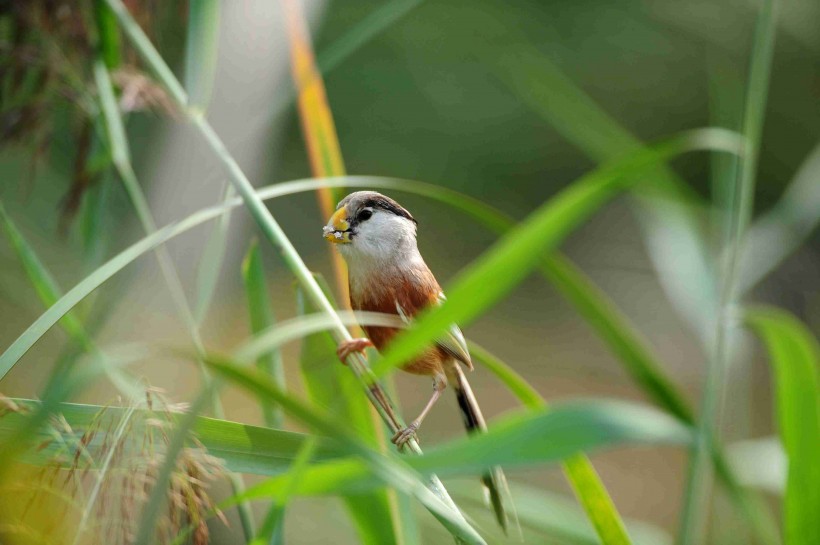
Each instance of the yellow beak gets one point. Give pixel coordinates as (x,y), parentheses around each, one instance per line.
(336,229)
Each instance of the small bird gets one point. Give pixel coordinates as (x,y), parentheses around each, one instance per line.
(386,273)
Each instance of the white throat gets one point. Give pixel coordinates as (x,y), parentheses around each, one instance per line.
(374,274)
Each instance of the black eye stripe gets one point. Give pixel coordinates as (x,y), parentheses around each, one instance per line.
(385,203)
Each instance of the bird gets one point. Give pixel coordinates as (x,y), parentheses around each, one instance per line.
(376,236)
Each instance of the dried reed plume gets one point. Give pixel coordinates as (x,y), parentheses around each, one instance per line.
(103,474)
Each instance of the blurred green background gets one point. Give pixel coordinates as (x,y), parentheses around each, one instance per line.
(451,93)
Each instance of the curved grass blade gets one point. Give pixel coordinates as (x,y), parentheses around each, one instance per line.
(510,260)
(551,94)
(549,435)
(27,339)
(64,304)
(540,436)
(780,230)
(42,281)
(794,354)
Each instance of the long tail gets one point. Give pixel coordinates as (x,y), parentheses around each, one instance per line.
(494,481)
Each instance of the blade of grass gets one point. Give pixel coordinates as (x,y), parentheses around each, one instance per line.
(42,281)
(261,318)
(779,231)
(510,260)
(64,304)
(698,485)
(546,435)
(36,330)
(201,46)
(540,436)
(244,448)
(272,230)
(794,354)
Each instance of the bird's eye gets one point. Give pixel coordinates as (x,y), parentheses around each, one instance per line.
(365,215)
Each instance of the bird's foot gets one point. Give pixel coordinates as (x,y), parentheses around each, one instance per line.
(353,345)
(402,436)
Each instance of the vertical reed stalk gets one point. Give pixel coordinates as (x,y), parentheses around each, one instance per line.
(699,484)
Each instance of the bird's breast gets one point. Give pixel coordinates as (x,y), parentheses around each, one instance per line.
(413,291)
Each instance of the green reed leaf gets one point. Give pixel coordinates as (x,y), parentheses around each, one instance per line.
(261,318)
(510,260)
(794,354)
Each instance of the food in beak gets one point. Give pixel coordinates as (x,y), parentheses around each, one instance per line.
(337,229)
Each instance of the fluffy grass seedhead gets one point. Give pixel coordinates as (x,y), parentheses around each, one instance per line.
(100,476)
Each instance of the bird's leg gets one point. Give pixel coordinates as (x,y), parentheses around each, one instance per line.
(402,436)
(354,345)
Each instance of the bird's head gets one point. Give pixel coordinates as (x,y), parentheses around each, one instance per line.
(367,224)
